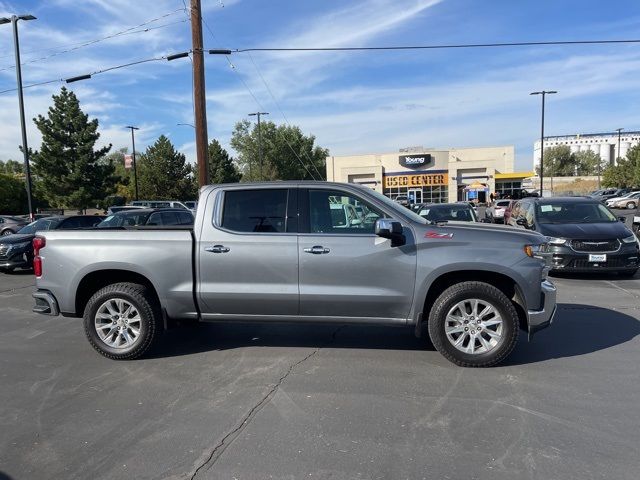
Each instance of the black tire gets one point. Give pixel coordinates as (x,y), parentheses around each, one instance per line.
(628,273)
(487,293)
(8,231)
(631,205)
(150,320)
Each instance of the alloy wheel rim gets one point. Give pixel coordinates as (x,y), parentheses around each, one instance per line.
(117,323)
(474,326)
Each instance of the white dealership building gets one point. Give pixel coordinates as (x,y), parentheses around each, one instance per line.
(604,144)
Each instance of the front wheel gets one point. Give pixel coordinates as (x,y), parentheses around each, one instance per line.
(473,324)
(7,232)
(122,321)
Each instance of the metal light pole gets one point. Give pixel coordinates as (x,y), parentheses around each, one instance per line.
(258,114)
(544,93)
(25,149)
(133,155)
(619,130)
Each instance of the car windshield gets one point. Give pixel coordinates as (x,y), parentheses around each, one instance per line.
(503,203)
(40,225)
(564,212)
(442,213)
(124,219)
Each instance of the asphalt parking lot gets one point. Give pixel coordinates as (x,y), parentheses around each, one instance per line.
(255,402)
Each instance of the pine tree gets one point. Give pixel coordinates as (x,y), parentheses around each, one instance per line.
(71,173)
(222,168)
(163,173)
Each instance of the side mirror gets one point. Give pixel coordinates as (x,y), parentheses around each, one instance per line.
(622,219)
(522,222)
(391,229)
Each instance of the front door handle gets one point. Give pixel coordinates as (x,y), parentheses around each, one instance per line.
(316,250)
(217,249)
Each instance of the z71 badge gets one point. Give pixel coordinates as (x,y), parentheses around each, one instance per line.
(448,236)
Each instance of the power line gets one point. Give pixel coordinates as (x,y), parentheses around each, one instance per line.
(88,75)
(432,47)
(233,68)
(76,46)
(280,109)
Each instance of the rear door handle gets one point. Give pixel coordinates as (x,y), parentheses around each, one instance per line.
(317,250)
(217,249)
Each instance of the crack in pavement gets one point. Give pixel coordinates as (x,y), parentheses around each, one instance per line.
(228,439)
(17,288)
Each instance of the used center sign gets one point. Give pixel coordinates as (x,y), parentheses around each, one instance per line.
(416,180)
(415,161)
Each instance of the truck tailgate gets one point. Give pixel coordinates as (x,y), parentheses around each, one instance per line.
(163,256)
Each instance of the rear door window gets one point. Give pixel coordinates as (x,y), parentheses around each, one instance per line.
(255,211)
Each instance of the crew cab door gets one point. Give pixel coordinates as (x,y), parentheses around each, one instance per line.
(247,254)
(346,271)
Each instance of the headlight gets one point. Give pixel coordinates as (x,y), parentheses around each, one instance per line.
(631,239)
(535,250)
(556,240)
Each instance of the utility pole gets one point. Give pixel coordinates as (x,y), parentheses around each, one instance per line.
(619,130)
(133,156)
(199,95)
(258,114)
(25,149)
(543,93)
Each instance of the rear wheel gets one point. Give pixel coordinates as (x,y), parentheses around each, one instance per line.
(631,205)
(122,321)
(473,324)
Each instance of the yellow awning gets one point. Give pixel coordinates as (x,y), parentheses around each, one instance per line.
(514,175)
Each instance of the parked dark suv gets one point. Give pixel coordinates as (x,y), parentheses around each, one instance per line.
(584,235)
(16,250)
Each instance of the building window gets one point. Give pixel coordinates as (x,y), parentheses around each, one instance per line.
(509,189)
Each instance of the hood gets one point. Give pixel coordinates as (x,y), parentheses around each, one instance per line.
(16,238)
(478,232)
(585,231)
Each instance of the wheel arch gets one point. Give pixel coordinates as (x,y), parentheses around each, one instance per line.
(501,281)
(95,280)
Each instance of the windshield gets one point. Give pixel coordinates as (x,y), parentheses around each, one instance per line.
(40,225)
(442,213)
(397,207)
(124,219)
(574,213)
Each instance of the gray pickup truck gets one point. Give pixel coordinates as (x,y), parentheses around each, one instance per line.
(294,252)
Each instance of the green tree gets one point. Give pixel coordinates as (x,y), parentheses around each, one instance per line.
(13,195)
(626,173)
(587,161)
(11,167)
(163,173)
(72,173)
(222,168)
(288,154)
(558,162)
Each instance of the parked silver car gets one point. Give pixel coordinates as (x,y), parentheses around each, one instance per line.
(10,225)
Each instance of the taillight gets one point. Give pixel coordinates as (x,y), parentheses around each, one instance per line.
(38,244)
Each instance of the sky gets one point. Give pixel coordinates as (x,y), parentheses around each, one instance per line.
(353,102)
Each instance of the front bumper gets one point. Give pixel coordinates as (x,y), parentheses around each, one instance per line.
(15,259)
(539,319)
(567,260)
(46,303)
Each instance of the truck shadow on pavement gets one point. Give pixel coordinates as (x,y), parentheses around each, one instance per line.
(577,330)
